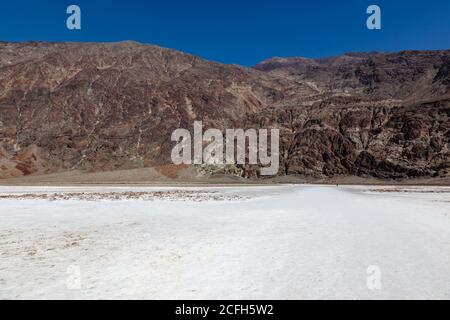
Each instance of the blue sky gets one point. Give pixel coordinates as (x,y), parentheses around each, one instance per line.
(232,31)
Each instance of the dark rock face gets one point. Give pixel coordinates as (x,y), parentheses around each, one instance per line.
(378,139)
(114,106)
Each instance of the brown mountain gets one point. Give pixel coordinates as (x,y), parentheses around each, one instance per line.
(96,107)
(408,75)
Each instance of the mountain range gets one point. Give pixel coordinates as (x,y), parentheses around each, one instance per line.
(113,106)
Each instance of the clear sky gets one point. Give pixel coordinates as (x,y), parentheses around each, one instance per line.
(237,31)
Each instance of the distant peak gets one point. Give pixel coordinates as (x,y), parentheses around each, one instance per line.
(276,62)
(288,60)
(130,43)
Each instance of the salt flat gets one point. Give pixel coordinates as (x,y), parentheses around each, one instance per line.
(280,242)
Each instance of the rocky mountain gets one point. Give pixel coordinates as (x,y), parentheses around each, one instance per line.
(110,106)
(407,75)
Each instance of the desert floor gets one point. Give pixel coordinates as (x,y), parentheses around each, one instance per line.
(236,242)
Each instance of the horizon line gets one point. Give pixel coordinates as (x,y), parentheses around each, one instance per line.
(215,61)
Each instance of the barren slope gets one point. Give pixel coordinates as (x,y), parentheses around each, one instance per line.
(97,107)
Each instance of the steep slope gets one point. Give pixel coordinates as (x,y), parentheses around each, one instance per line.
(107,106)
(381,115)
(349,136)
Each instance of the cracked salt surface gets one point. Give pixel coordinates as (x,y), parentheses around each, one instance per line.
(284,242)
(174,195)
